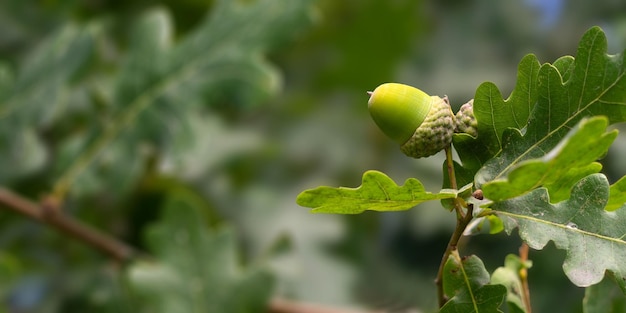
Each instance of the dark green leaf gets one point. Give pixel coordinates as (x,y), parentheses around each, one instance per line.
(378,192)
(466,283)
(494,115)
(592,237)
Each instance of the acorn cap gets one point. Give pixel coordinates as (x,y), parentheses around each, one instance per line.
(466,121)
(398,110)
(435,132)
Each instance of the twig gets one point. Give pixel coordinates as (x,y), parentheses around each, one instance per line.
(523,275)
(462,221)
(452,245)
(278,305)
(49,213)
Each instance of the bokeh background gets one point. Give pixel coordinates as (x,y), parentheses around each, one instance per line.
(249,150)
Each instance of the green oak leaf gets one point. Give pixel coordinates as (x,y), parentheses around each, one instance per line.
(508,275)
(494,115)
(196,268)
(572,159)
(593,238)
(591,84)
(617,195)
(466,283)
(378,192)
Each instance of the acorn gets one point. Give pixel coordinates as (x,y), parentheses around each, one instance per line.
(465,120)
(423,125)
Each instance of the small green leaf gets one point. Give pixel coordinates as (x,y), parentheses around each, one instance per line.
(560,189)
(617,195)
(477,226)
(466,283)
(508,275)
(572,159)
(592,237)
(378,192)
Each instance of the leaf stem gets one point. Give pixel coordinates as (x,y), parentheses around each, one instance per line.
(523,274)
(458,205)
(450,165)
(462,220)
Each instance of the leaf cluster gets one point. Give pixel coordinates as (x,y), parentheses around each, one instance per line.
(535,161)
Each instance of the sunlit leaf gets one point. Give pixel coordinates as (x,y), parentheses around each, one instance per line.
(617,195)
(572,159)
(378,192)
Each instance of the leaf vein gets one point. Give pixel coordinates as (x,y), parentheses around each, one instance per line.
(565,227)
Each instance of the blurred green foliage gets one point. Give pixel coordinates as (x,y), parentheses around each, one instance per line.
(240,105)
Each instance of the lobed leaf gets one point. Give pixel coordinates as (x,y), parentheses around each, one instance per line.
(617,195)
(592,237)
(494,115)
(377,192)
(572,159)
(466,283)
(591,84)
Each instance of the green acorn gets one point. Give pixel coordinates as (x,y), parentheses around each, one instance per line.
(423,125)
(465,120)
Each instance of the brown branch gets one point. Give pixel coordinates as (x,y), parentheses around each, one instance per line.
(278,305)
(48,212)
(461,224)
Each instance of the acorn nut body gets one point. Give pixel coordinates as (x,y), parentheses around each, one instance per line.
(423,125)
